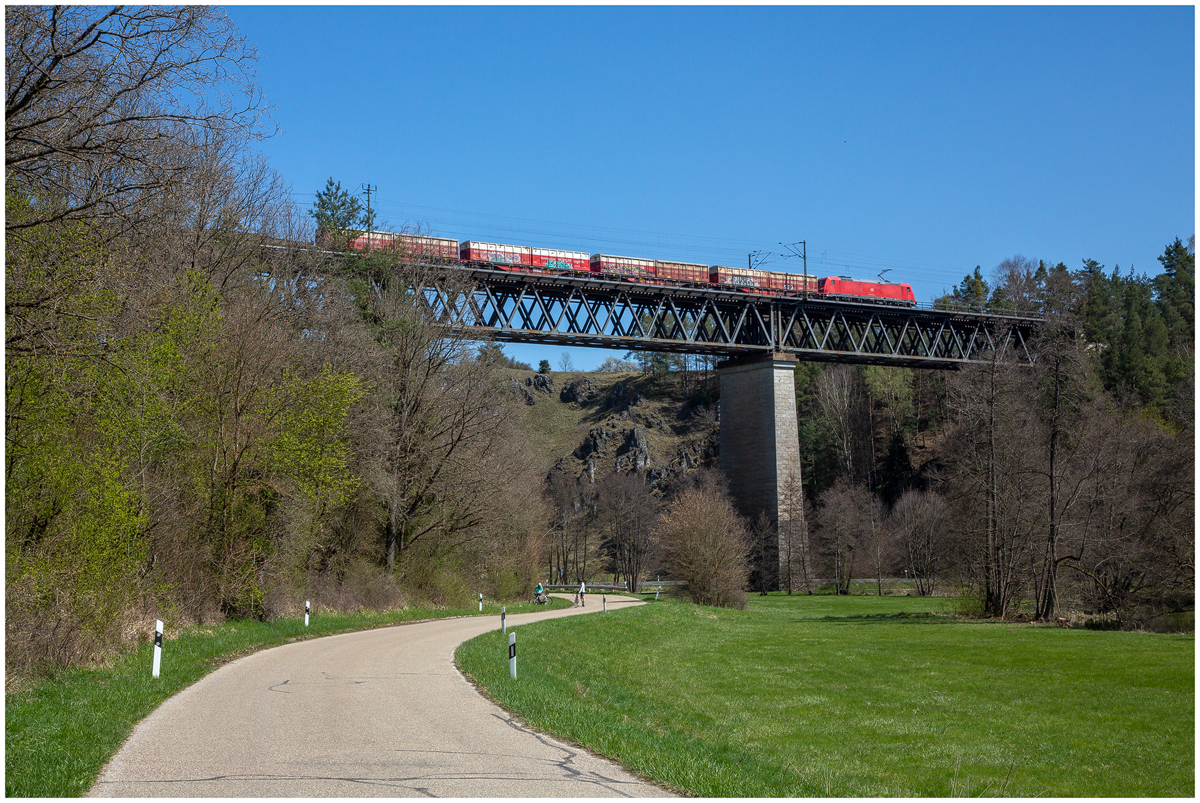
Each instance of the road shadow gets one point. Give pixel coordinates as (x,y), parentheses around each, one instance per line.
(928,618)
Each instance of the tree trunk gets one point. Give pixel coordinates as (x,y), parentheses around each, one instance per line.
(1048,599)
(390,538)
(994,603)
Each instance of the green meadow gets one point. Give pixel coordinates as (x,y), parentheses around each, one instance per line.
(856,696)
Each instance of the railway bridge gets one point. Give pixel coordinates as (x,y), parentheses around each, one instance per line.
(761,337)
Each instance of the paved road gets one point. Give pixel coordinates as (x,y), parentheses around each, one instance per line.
(382,713)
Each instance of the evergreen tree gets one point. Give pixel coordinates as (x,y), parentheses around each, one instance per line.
(337,212)
(973,291)
(895,472)
(1060,292)
(1129,328)
(1176,293)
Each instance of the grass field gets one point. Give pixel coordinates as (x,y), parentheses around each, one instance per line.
(60,732)
(856,696)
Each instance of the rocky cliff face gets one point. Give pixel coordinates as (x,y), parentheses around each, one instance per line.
(600,423)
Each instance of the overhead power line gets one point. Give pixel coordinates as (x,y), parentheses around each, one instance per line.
(708,249)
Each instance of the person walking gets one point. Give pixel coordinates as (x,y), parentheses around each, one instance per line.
(581,591)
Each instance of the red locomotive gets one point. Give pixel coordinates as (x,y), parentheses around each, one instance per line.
(843,287)
(527,259)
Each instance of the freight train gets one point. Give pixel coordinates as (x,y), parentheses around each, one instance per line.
(527,259)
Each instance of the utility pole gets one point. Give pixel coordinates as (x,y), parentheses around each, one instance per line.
(370,221)
(803,254)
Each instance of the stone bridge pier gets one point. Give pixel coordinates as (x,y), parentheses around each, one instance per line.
(759,442)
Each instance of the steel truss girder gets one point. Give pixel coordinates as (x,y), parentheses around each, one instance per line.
(581,311)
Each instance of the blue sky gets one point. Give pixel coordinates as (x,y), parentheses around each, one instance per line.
(924,141)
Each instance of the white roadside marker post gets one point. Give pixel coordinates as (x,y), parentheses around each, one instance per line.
(158,630)
(481,603)
(512,654)
(656,593)
(604,602)
(503,626)
(306,605)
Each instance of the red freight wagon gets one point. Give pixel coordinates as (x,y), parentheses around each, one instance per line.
(625,266)
(325,240)
(844,287)
(412,244)
(738,278)
(554,259)
(428,246)
(681,271)
(378,240)
(767,281)
(502,256)
(791,283)
(431,247)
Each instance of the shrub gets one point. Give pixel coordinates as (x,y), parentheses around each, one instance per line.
(706,545)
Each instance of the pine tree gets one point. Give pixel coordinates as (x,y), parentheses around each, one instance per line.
(973,291)
(337,212)
(1176,292)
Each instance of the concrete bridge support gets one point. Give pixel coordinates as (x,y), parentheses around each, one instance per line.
(760,446)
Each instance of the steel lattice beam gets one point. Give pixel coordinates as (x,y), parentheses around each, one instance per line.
(582,311)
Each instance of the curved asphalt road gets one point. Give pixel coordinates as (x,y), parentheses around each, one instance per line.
(381,713)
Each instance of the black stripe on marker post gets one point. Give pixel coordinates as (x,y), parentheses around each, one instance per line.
(156,665)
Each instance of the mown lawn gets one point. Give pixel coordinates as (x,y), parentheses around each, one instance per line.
(59,732)
(858,696)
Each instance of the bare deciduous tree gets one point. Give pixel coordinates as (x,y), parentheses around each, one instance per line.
(1019,286)
(995,420)
(764,554)
(795,550)
(840,396)
(705,543)
(441,415)
(877,544)
(919,520)
(231,220)
(572,555)
(626,512)
(100,102)
(849,520)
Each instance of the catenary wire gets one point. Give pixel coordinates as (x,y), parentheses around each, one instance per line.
(465,225)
